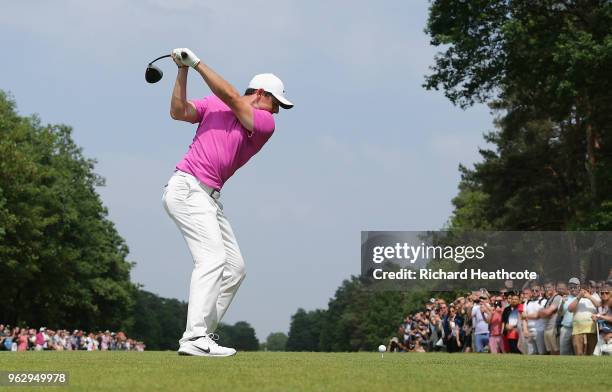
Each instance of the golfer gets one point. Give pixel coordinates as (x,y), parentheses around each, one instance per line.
(231,129)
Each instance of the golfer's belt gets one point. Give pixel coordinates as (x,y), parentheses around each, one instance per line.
(215,194)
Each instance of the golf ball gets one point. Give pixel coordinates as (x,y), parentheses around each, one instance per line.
(382,348)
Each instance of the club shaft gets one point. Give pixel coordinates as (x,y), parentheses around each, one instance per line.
(159,58)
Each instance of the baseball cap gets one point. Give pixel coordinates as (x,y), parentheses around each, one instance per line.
(272,84)
(574,281)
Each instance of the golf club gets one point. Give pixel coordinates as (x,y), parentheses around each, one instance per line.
(153,74)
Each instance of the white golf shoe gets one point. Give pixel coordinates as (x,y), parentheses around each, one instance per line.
(205,346)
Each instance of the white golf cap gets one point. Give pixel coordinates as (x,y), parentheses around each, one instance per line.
(272,84)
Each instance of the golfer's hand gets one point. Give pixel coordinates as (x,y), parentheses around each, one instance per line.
(176,56)
(186,56)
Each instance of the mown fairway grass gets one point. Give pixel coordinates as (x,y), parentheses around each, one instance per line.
(260,371)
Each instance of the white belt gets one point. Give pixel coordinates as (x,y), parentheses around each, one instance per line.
(212,192)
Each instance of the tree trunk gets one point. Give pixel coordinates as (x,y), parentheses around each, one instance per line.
(591,161)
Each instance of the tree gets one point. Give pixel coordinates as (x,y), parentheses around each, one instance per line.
(62,262)
(158,321)
(549,60)
(240,336)
(305,330)
(357,318)
(276,341)
(544,68)
(534,180)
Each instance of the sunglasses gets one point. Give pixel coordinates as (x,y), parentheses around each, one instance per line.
(605,292)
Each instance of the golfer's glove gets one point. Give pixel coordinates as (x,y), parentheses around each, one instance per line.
(186,56)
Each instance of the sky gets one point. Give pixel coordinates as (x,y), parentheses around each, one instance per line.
(364,148)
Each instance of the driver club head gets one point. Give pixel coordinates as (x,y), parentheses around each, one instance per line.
(153,74)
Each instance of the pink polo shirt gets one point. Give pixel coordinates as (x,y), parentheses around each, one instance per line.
(221,144)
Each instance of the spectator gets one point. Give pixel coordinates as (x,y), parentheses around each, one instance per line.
(50,340)
(40,339)
(113,342)
(510,319)
(62,340)
(91,343)
(15,337)
(566,345)
(105,341)
(121,341)
(75,342)
(6,337)
(494,314)
(533,326)
(395,346)
(447,327)
(3,336)
(549,315)
(584,306)
(59,340)
(480,323)
(467,329)
(451,325)
(440,316)
(403,337)
(604,320)
(22,341)
(25,339)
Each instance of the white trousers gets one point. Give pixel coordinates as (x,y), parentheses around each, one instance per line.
(218,267)
(535,342)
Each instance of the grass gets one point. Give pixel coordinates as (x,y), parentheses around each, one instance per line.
(266,371)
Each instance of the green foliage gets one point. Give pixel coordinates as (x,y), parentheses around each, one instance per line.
(356,319)
(159,322)
(240,336)
(62,262)
(276,341)
(305,330)
(548,54)
(544,67)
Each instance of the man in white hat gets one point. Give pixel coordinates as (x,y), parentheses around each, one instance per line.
(231,129)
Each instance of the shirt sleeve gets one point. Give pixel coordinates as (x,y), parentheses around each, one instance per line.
(263,123)
(200,105)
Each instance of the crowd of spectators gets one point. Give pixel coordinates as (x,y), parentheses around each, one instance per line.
(567,318)
(30,339)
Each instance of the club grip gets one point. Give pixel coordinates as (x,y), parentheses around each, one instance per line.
(184,55)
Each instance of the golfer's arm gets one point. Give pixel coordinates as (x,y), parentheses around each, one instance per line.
(180,108)
(228,94)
